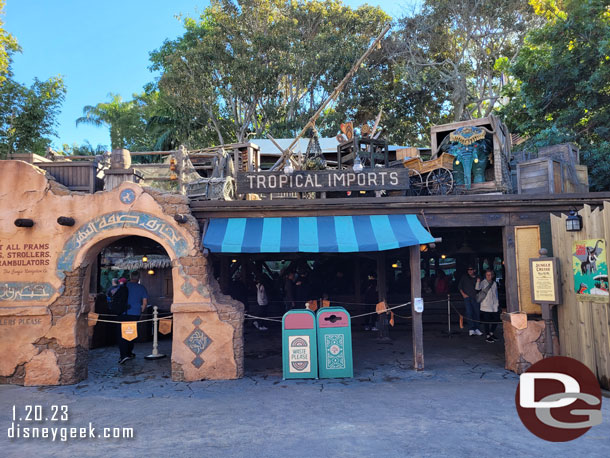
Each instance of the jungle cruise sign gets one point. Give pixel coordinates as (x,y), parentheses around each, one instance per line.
(322,180)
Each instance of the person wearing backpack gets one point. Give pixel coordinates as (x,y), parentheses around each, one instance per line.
(137,300)
(488,298)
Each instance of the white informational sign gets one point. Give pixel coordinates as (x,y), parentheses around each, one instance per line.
(299,356)
(418,304)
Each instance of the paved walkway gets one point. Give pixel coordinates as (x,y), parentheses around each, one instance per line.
(461,405)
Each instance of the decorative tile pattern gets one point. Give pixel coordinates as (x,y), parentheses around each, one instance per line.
(335,354)
(127,196)
(187,288)
(197,341)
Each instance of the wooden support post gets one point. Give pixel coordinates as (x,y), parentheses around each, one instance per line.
(224,274)
(418,328)
(510,269)
(382,320)
(181,163)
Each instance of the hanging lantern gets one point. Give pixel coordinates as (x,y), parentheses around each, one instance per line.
(173,177)
(172,164)
(144,258)
(151,272)
(357,165)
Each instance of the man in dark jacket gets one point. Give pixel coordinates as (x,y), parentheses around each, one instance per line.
(467,287)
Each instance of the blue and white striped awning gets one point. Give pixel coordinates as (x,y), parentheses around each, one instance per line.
(315,234)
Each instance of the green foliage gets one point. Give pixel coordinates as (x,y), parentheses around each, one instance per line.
(460,50)
(8,45)
(563,82)
(255,66)
(28,114)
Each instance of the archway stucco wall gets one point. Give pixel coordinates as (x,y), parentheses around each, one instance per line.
(50,347)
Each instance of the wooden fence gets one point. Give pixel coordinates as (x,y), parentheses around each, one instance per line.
(584,327)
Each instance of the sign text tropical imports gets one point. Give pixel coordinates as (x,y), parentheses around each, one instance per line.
(322,180)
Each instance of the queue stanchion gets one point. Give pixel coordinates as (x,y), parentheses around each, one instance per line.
(155,350)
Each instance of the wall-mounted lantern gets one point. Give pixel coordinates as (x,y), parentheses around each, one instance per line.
(574,222)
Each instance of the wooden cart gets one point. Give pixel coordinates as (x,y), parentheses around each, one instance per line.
(434,176)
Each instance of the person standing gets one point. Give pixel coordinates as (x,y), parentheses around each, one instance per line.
(490,305)
(113,289)
(467,287)
(263,302)
(137,300)
(289,292)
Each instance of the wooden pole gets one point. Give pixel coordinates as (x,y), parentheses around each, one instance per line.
(382,320)
(418,329)
(335,93)
(225,271)
(182,154)
(510,269)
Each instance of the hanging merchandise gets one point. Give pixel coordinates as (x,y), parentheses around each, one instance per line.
(314,159)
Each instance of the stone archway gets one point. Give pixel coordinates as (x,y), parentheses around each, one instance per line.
(208,335)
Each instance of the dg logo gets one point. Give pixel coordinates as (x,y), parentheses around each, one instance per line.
(558,399)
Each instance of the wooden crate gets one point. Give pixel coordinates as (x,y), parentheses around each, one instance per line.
(404,153)
(567,152)
(76,176)
(540,176)
(582,174)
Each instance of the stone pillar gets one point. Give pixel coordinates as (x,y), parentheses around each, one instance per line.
(524,347)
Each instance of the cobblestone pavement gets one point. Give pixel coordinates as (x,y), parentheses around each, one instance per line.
(461,405)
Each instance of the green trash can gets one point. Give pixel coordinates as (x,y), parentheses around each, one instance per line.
(299,348)
(334,343)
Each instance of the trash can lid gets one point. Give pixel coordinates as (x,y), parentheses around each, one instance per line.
(301,319)
(333,319)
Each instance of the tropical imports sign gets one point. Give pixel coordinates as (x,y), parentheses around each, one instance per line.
(590,267)
(322,180)
(544,276)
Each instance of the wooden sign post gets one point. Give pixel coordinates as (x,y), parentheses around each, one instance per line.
(546,291)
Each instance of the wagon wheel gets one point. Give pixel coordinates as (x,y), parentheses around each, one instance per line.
(416,183)
(439,181)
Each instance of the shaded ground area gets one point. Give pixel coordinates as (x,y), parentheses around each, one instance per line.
(461,405)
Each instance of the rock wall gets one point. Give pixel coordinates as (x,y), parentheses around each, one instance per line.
(44,294)
(524,347)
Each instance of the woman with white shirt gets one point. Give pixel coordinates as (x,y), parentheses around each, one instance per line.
(490,305)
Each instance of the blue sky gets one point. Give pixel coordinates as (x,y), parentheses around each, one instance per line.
(101,47)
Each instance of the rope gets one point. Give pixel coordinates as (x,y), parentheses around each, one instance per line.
(112,321)
(252,317)
(386,310)
(472,320)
